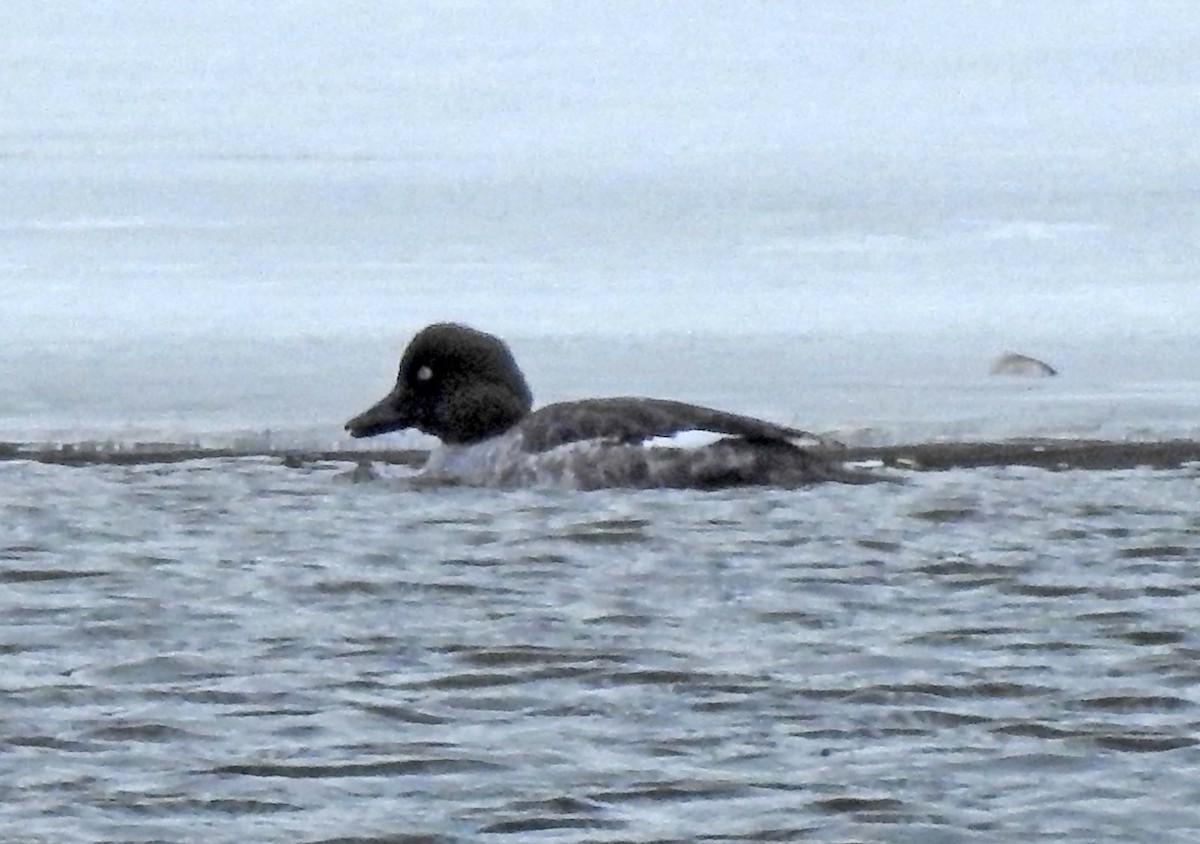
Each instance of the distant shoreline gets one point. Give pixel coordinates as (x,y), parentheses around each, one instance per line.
(1054,454)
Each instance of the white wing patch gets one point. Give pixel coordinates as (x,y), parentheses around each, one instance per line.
(690,439)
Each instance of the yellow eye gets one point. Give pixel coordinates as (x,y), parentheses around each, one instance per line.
(424,373)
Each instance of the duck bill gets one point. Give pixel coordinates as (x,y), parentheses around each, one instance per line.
(392,413)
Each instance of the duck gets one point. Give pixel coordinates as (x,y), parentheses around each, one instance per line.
(464,386)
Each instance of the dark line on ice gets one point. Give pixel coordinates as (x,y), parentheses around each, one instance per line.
(928,457)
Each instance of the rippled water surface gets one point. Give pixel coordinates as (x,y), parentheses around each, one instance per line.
(240,651)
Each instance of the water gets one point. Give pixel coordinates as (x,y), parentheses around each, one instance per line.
(222,223)
(238,650)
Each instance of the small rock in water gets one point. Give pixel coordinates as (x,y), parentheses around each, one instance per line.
(1011,363)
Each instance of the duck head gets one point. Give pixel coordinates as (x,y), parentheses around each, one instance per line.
(456,383)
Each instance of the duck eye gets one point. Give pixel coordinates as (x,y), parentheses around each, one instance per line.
(424,373)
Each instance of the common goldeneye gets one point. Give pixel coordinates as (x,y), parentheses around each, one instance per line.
(464,387)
